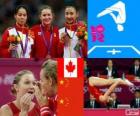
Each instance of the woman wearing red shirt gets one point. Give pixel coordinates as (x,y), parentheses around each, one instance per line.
(18,39)
(23,89)
(68,35)
(46,94)
(46,35)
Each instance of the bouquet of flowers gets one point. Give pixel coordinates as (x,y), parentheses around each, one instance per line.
(14,40)
(81,34)
(31,34)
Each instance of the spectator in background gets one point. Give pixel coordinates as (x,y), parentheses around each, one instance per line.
(135,69)
(91,103)
(18,39)
(110,70)
(68,35)
(87,69)
(135,103)
(46,35)
(114,102)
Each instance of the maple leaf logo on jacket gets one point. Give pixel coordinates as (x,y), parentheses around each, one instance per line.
(70,67)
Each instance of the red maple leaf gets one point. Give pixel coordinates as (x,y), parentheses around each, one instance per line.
(70,67)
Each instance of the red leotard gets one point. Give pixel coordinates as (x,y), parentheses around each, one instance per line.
(95,92)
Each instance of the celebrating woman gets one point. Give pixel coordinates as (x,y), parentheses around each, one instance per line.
(23,89)
(18,39)
(46,35)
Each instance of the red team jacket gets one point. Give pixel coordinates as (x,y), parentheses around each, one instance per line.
(40,48)
(51,109)
(4,45)
(73,27)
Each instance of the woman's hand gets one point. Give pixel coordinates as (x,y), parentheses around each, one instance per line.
(12,47)
(64,38)
(25,103)
(41,99)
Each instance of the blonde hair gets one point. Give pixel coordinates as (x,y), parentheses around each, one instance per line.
(50,69)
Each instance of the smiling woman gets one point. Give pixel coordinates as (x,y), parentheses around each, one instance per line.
(46,35)
(23,89)
(68,35)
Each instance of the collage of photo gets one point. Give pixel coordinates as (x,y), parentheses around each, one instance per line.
(69,57)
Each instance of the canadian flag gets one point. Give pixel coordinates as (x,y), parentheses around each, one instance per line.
(70,67)
(70,80)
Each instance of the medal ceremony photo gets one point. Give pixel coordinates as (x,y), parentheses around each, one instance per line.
(42,47)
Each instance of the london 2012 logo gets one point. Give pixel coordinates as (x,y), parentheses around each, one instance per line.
(120,19)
